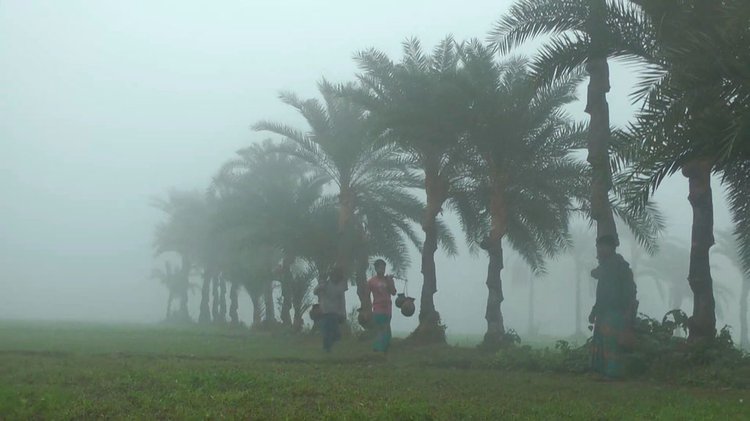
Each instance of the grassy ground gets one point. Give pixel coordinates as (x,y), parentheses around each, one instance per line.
(72,371)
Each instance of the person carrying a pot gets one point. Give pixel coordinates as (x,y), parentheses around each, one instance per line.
(332,306)
(382,289)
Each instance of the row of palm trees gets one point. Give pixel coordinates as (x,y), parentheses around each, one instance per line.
(486,136)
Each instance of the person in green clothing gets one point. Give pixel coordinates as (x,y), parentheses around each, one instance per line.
(382,289)
(614,312)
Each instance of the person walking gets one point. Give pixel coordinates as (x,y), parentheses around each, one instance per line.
(382,288)
(332,306)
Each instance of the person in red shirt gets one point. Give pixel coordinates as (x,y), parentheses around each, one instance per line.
(382,288)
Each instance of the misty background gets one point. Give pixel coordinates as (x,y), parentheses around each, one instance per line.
(107,104)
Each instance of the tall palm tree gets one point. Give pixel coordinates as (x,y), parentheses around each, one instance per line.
(370,179)
(584,33)
(685,121)
(421,106)
(528,180)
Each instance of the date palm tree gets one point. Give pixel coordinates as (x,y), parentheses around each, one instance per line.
(584,34)
(370,180)
(692,120)
(268,200)
(182,233)
(528,180)
(420,105)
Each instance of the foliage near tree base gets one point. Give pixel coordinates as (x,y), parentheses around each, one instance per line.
(428,334)
(658,354)
(496,342)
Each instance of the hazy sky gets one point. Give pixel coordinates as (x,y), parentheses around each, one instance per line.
(105,104)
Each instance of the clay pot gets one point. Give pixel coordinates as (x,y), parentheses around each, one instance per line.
(408,307)
(400,299)
(315,312)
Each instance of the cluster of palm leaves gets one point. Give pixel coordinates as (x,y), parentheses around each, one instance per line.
(485,135)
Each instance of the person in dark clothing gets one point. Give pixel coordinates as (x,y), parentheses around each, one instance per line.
(614,312)
(333,307)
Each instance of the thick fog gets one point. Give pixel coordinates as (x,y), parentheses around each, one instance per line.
(107,104)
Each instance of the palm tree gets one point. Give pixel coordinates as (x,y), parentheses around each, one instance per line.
(173,279)
(528,180)
(370,179)
(182,233)
(207,256)
(420,105)
(585,33)
(684,122)
(268,199)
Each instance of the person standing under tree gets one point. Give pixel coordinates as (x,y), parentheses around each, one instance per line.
(613,314)
(332,306)
(382,288)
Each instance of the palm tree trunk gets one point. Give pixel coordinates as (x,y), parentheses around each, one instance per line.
(365,301)
(257,309)
(297,298)
(429,328)
(185,279)
(599,131)
(287,292)
(286,305)
(222,299)
(578,331)
(270,306)
(205,312)
(493,244)
(346,233)
(493,314)
(169,305)
(744,296)
(215,315)
(703,321)
(234,293)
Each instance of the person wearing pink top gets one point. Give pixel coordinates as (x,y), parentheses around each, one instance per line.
(382,289)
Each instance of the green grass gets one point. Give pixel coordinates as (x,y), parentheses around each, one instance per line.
(74,371)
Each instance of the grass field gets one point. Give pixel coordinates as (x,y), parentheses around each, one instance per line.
(75,371)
